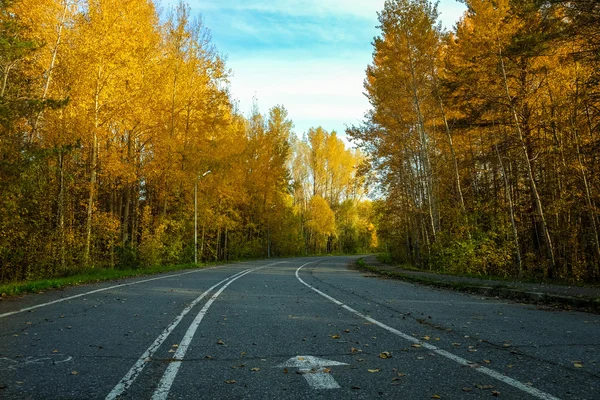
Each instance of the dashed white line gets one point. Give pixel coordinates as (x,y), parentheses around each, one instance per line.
(137,368)
(484,370)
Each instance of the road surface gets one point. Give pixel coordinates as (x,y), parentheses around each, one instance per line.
(290,328)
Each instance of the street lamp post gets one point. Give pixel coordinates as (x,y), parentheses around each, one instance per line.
(196,215)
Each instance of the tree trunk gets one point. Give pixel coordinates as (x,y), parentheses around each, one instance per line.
(512,213)
(61,209)
(588,196)
(51,67)
(93,165)
(428,177)
(534,191)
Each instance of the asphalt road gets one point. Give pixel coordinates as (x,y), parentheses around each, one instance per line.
(291,328)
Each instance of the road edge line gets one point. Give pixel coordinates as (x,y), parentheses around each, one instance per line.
(462,361)
(97,291)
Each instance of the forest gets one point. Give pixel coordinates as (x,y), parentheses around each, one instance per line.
(485,139)
(121,147)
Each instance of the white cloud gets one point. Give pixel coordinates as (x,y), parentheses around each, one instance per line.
(315,92)
(320,8)
(307,55)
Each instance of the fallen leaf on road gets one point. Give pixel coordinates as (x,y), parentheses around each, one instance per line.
(374,370)
(300,358)
(385,354)
(416,345)
(55,351)
(230,381)
(436,396)
(285,371)
(420,358)
(400,374)
(426,338)
(353,350)
(455,344)
(255,369)
(487,361)
(347,330)
(327,370)
(506,345)
(175,345)
(74,372)
(208,357)
(221,343)
(467,389)
(484,387)
(577,365)
(335,336)
(171,351)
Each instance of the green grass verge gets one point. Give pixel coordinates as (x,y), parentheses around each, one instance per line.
(90,276)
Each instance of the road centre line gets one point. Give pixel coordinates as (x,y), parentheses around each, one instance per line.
(164,386)
(139,365)
(97,291)
(462,361)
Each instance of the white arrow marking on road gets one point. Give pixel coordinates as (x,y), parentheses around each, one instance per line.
(313,369)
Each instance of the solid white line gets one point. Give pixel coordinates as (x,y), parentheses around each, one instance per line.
(484,370)
(137,368)
(164,386)
(96,291)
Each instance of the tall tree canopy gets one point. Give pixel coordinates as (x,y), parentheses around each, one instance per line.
(485,138)
(120,147)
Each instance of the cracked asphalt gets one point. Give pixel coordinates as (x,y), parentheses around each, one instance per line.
(360,336)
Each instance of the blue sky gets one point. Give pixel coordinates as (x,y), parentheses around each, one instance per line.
(307,55)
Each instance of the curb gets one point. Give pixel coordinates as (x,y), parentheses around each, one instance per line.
(570,302)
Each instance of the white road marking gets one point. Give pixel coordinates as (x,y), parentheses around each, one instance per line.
(164,386)
(96,291)
(313,370)
(137,368)
(319,379)
(484,370)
